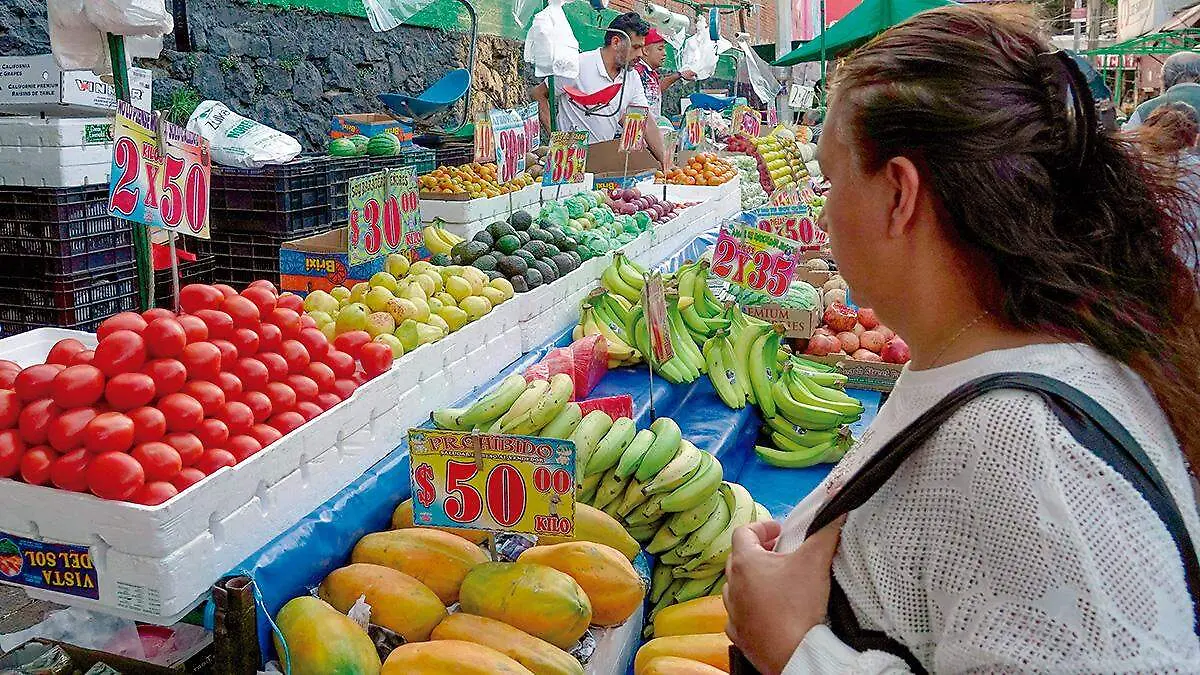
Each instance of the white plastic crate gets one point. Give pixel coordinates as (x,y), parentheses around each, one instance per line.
(55,151)
(477,209)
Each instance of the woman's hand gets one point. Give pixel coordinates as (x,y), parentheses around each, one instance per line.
(773,599)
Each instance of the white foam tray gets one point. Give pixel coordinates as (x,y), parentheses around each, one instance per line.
(55,151)
(55,132)
(550,194)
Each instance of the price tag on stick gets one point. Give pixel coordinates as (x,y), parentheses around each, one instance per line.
(485,141)
(493,482)
(795,222)
(751,258)
(384,214)
(656,319)
(511,143)
(693,129)
(533,126)
(566,160)
(633,133)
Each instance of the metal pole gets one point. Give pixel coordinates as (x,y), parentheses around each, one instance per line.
(785,33)
(1076,27)
(824,84)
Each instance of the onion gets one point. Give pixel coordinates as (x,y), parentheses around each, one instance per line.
(872,340)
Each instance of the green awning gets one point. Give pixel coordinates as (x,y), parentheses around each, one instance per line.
(1169,42)
(864,22)
(766,52)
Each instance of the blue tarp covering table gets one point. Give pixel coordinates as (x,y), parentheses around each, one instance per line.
(300,557)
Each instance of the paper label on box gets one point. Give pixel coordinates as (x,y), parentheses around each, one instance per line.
(797,323)
(62,568)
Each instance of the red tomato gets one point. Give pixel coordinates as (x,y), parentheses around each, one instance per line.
(115,475)
(269,337)
(195,297)
(202,360)
(65,432)
(77,386)
(230,384)
(295,354)
(213,433)
(213,459)
(5,364)
(237,417)
(208,394)
(242,447)
(131,321)
(159,460)
(253,373)
(321,374)
(277,366)
(341,363)
(187,477)
(35,465)
(244,312)
(189,447)
(12,449)
(263,298)
(168,375)
(264,284)
(315,342)
(246,340)
(288,321)
(10,409)
(194,327)
(157,313)
(283,397)
(344,388)
(7,377)
(153,494)
(376,358)
(129,390)
(229,353)
(327,400)
(111,432)
(69,472)
(351,342)
(305,388)
(183,412)
(36,381)
(122,351)
(226,290)
(358,378)
(220,324)
(259,404)
(287,422)
(307,321)
(308,409)
(64,350)
(165,338)
(265,435)
(84,357)
(34,421)
(291,301)
(149,424)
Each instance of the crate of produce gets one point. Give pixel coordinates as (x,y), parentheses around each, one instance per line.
(282,198)
(198,271)
(79,301)
(241,257)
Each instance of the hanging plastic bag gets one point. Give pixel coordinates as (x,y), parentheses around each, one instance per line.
(699,53)
(524,10)
(74,41)
(765,86)
(550,44)
(385,15)
(78,27)
(237,141)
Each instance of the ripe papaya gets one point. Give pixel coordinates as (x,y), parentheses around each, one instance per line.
(605,574)
(710,648)
(537,599)
(398,602)
(450,656)
(437,559)
(402,518)
(321,640)
(592,524)
(539,656)
(674,665)
(702,615)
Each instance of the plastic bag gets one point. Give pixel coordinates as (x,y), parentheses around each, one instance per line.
(616,407)
(385,15)
(81,628)
(762,80)
(237,141)
(699,53)
(550,44)
(78,27)
(585,360)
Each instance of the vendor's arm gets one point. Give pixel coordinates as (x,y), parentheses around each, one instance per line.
(541,94)
(658,147)
(671,78)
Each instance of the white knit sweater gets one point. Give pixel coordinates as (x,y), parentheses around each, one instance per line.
(1003,545)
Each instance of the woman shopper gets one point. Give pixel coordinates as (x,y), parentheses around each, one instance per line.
(1169,136)
(975,205)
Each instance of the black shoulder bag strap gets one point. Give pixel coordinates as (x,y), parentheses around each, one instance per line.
(1089,423)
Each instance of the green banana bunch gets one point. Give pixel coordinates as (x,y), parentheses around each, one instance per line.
(667,439)
(762,366)
(564,424)
(497,402)
(697,489)
(682,340)
(556,396)
(590,323)
(586,436)
(630,272)
(608,451)
(718,355)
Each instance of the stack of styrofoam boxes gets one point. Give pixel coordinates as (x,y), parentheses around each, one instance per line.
(465,218)
(55,151)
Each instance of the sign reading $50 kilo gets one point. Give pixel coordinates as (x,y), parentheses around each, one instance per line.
(492,482)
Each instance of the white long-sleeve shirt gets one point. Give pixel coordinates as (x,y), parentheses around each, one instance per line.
(1003,545)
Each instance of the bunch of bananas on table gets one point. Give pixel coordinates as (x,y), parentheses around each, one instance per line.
(537,408)
(439,240)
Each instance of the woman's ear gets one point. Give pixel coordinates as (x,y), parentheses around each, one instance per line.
(905,181)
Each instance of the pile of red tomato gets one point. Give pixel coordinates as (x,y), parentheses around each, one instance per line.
(165,400)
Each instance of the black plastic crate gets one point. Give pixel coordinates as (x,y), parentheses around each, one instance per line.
(52,205)
(240,258)
(18,319)
(282,198)
(341,170)
(69,292)
(455,154)
(38,258)
(199,271)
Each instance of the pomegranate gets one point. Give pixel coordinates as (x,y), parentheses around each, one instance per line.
(840,317)
(822,345)
(887,333)
(895,351)
(866,316)
(872,340)
(866,355)
(858,329)
(849,341)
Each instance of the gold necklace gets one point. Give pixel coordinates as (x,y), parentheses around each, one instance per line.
(957,335)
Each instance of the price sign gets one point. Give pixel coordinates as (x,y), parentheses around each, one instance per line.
(485,141)
(796,222)
(384,213)
(772,117)
(633,133)
(492,482)
(656,319)
(747,121)
(751,258)
(693,129)
(566,161)
(511,143)
(160,173)
(533,125)
(62,568)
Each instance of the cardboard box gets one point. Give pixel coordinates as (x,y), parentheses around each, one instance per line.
(34,84)
(369,124)
(321,262)
(198,660)
(606,159)
(871,375)
(797,323)
(613,182)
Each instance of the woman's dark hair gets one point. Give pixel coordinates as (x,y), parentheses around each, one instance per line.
(1170,129)
(631,23)
(1080,229)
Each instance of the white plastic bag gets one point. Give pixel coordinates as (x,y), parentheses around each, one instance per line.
(765,86)
(78,27)
(699,53)
(385,15)
(237,141)
(550,45)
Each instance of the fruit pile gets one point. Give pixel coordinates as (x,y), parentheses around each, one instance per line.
(438,239)
(856,333)
(689,638)
(165,400)
(753,195)
(406,305)
(702,169)
(384,144)
(780,156)
(475,181)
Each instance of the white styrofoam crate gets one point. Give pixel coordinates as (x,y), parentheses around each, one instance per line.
(55,151)
(566,190)
(31,347)
(478,209)
(700,193)
(55,132)
(468,230)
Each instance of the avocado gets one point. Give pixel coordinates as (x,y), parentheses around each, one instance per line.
(458,251)
(525,255)
(564,262)
(441,260)
(537,248)
(584,253)
(520,221)
(533,278)
(548,271)
(519,284)
(484,237)
(523,237)
(552,250)
(485,262)
(493,275)
(575,256)
(511,266)
(499,229)
(541,235)
(508,243)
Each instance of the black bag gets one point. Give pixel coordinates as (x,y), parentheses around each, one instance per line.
(1089,423)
